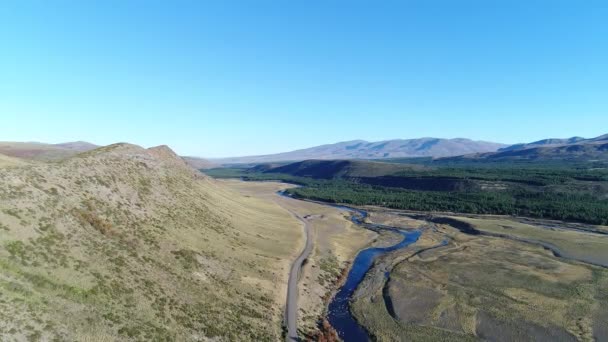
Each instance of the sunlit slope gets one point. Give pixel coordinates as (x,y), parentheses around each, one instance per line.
(44,152)
(11,161)
(123,243)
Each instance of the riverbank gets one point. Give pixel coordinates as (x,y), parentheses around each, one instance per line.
(460,284)
(481,286)
(336,240)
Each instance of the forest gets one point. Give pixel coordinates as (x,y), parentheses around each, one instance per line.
(568,194)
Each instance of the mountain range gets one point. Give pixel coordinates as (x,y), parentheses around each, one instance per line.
(572,149)
(361,149)
(440,150)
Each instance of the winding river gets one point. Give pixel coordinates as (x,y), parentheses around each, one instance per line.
(339,314)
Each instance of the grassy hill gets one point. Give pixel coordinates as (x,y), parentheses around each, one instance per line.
(199,163)
(11,161)
(44,152)
(407,176)
(124,243)
(328,169)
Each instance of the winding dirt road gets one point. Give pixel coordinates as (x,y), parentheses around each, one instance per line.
(291,307)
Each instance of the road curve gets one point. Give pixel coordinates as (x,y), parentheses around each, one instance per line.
(291,307)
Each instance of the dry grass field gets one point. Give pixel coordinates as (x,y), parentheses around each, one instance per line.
(131,244)
(36,151)
(11,161)
(487,287)
(124,243)
(584,246)
(336,241)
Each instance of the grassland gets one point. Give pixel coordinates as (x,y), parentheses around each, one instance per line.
(11,161)
(127,244)
(583,246)
(36,151)
(335,239)
(487,287)
(504,284)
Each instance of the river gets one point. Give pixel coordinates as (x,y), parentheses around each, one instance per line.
(339,314)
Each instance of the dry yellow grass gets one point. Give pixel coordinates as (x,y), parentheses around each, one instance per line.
(6,161)
(584,246)
(485,287)
(123,243)
(336,241)
(35,151)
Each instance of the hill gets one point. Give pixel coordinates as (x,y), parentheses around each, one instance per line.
(79,146)
(540,143)
(329,169)
(199,163)
(44,152)
(127,243)
(412,177)
(11,161)
(360,149)
(561,150)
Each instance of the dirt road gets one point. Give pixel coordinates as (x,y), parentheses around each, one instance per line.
(291,307)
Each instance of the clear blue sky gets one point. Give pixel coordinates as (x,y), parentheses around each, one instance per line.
(227,78)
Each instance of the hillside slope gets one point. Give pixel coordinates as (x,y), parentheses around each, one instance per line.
(44,152)
(199,163)
(541,143)
(124,243)
(328,169)
(11,161)
(360,149)
(573,149)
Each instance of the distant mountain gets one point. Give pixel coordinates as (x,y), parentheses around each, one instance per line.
(572,149)
(44,152)
(80,146)
(361,149)
(199,163)
(600,139)
(541,143)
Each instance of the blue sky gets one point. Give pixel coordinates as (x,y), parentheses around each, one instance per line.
(227,78)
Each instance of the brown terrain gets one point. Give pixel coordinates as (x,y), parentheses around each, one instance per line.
(131,244)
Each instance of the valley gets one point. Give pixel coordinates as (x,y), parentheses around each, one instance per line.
(303,171)
(126,243)
(334,242)
(467,276)
(441,286)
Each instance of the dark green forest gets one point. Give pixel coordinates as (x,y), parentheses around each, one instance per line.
(568,194)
